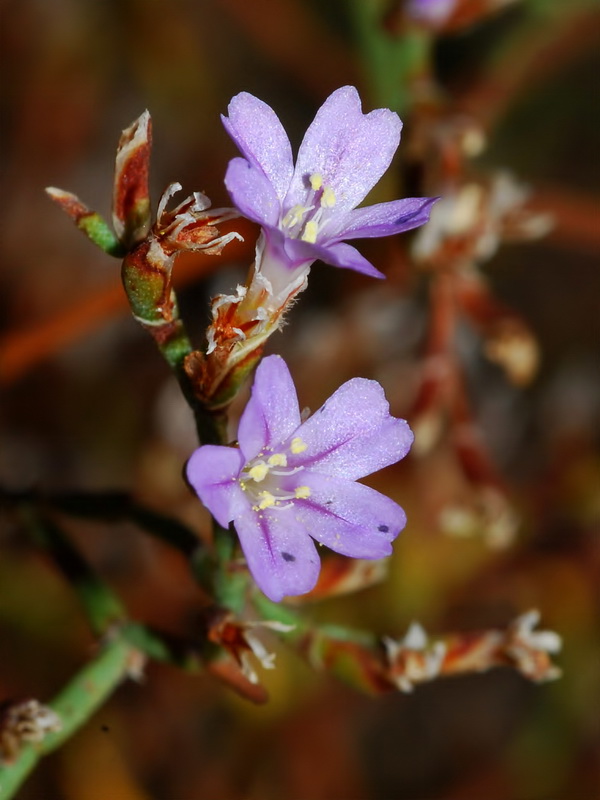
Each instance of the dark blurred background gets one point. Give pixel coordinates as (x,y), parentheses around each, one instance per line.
(87,403)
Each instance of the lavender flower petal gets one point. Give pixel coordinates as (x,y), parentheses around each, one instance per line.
(212,471)
(272,413)
(257,131)
(348,517)
(351,150)
(338,254)
(281,556)
(353,434)
(345,256)
(385,219)
(252,192)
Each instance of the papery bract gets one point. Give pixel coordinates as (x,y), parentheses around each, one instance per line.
(291,481)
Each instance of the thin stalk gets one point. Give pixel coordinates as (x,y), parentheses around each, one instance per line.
(102,607)
(229,584)
(393,63)
(74,705)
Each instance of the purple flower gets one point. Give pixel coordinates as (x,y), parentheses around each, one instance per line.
(291,481)
(432,12)
(308,211)
(451,15)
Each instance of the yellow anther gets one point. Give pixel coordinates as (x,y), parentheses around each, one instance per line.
(267,500)
(297,445)
(316,181)
(294,216)
(258,472)
(302,492)
(310,232)
(278,460)
(328,198)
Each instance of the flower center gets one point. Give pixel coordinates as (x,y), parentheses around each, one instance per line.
(305,222)
(266,479)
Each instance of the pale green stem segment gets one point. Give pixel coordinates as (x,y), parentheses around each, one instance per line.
(229,585)
(75,704)
(98,232)
(153,303)
(352,656)
(280,613)
(102,607)
(392,62)
(107,617)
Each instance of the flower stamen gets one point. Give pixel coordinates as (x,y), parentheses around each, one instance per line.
(259,471)
(328,198)
(277,460)
(297,445)
(294,216)
(309,234)
(267,501)
(287,472)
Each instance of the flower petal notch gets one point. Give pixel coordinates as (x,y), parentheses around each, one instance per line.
(291,482)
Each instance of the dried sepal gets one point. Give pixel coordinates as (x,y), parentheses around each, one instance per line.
(147,268)
(131,196)
(24,722)
(191,225)
(241,324)
(508,341)
(489,514)
(149,250)
(471,221)
(513,347)
(357,664)
(417,658)
(227,670)
(530,650)
(239,639)
(414,659)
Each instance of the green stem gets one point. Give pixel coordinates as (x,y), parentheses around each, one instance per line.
(277,612)
(74,705)
(348,654)
(97,230)
(116,506)
(163,647)
(154,305)
(102,607)
(393,63)
(229,585)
